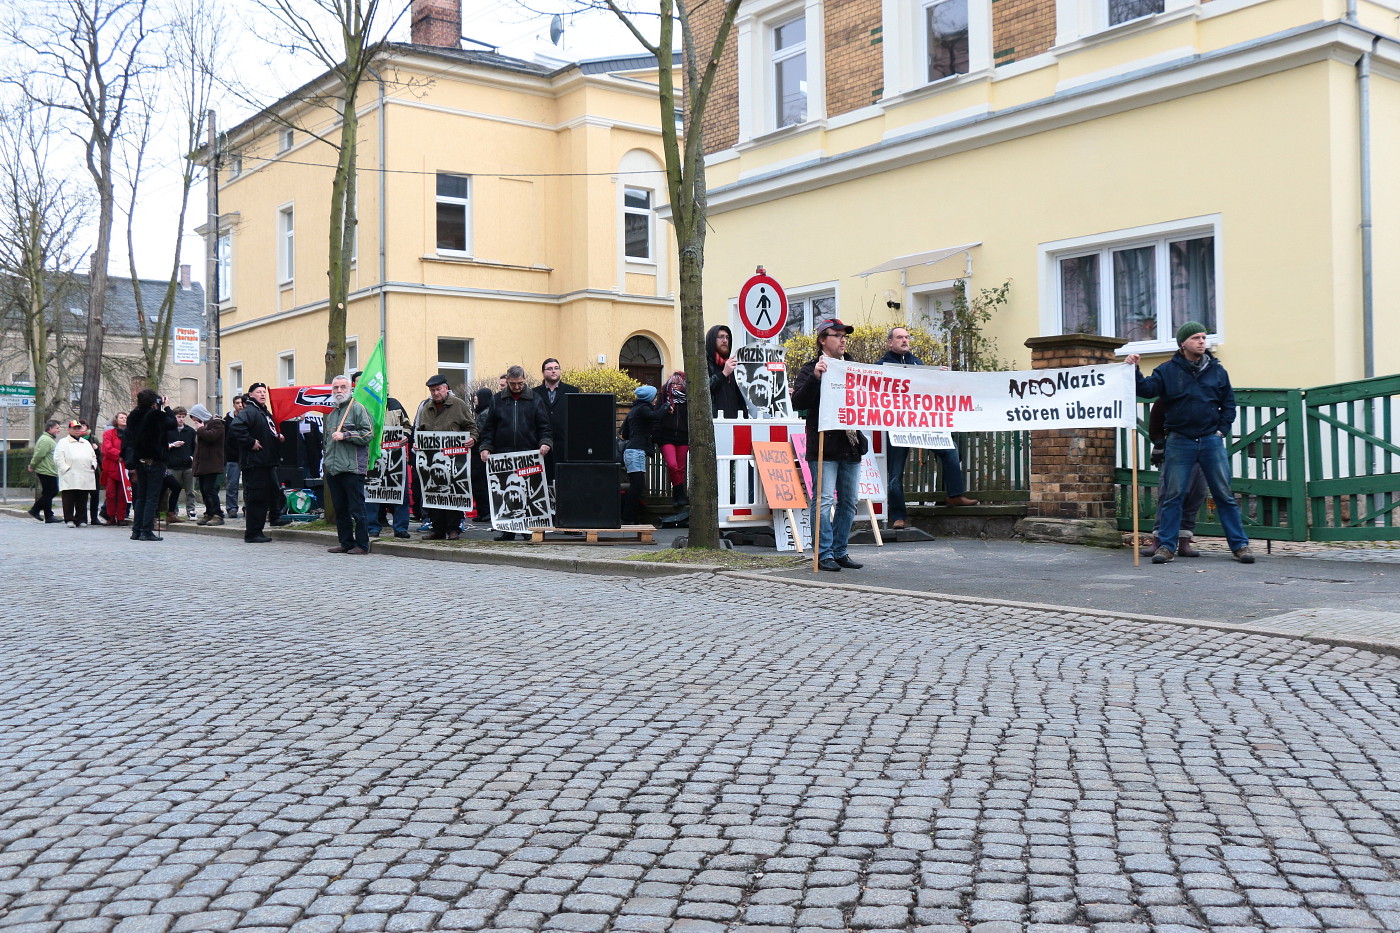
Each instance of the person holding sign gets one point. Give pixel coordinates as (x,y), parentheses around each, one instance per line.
(1200,409)
(443,411)
(515,421)
(837,453)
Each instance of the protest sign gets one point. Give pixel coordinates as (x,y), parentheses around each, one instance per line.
(870,485)
(518,491)
(387,480)
(792,530)
(777,473)
(443,462)
(762,376)
(859,395)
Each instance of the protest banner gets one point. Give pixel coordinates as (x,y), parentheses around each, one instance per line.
(288,402)
(387,480)
(782,487)
(762,376)
(518,491)
(859,395)
(443,462)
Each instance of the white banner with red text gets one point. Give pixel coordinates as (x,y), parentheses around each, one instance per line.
(923,398)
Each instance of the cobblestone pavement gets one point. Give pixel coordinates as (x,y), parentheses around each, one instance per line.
(207,736)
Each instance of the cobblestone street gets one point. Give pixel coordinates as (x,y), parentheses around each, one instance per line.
(198,735)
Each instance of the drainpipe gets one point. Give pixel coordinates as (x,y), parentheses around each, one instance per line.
(1363,89)
(383,248)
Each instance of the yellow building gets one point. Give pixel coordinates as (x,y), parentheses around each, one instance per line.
(1126,164)
(507,213)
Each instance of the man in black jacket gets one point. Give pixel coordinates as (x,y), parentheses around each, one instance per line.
(515,421)
(179,465)
(258,441)
(145,450)
(726,399)
(551,392)
(838,451)
(1200,410)
(231,469)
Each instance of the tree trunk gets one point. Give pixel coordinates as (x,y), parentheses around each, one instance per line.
(342,229)
(88,400)
(703,488)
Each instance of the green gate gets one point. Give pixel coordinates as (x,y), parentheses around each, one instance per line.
(1315,464)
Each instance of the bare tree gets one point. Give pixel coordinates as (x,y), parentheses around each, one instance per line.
(41,215)
(307,24)
(195,40)
(84,58)
(685,181)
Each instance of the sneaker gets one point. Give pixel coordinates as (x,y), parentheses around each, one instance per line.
(190,513)
(1163,555)
(1243,554)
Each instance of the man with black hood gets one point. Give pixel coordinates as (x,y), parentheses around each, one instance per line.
(838,451)
(515,421)
(1200,408)
(726,399)
(258,442)
(146,448)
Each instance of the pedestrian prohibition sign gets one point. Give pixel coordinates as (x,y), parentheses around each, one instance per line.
(763,306)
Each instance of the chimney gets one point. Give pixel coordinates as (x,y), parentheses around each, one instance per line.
(184,276)
(436,23)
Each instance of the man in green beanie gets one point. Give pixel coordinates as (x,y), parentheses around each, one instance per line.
(1200,408)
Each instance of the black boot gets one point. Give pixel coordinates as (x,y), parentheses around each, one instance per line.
(678,496)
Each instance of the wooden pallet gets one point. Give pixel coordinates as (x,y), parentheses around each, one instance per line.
(631,534)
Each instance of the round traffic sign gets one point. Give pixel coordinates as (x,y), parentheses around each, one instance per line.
(763,306)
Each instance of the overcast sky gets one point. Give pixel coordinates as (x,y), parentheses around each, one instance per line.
(502,23)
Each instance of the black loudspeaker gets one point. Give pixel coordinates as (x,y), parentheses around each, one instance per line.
(587,495)
(290,448)
(590,428)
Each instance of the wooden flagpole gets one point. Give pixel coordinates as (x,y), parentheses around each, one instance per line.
(817,498)
(1133,442)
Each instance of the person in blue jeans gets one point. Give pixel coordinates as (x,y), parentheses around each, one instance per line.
(949,462)
(838,451)
(1200,408)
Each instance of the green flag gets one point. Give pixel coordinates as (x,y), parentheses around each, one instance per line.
(372,391)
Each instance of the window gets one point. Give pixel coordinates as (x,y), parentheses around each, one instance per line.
(352,354)
(285,139)
(790,71)
(636,223)
(20,378)
(946,38)
(223,266)
(454,219)
(235,379)
(287,368)
(1141,288)
(286,253)
(804,310)
(455,362)
(1120,11)
(235,164)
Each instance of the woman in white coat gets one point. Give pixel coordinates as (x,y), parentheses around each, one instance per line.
(76,460)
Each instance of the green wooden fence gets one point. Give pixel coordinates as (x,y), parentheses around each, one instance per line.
(1318,464)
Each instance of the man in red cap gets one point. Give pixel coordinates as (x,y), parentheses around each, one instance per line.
(840,452)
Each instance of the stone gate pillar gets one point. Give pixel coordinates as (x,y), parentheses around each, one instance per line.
(1072,491)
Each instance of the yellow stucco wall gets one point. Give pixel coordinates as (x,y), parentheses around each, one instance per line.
(544,275)
(1273,156)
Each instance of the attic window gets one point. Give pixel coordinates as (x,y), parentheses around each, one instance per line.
(285,139)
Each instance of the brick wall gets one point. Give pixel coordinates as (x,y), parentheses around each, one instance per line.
(1021,28)
(1072,469)
(854,55)
(437,23)
(721,123)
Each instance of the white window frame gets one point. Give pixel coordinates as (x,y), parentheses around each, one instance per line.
(286,243)
(235,379)
(223,261)
(464,203)
(754,43)
(286,139)
(235,165)
(287,368)
(352,348)
(462,366)
(649,215)
(917,299)
(1103,244)
(777,57)
(1081,19)
(906,45)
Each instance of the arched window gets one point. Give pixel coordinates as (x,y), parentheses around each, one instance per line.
(641,360)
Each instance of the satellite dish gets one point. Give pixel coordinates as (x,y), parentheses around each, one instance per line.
(556,28)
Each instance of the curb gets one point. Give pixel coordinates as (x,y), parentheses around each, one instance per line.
(642,569)
(1377,646)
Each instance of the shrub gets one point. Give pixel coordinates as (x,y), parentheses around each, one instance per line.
(604,379)
(867,343)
